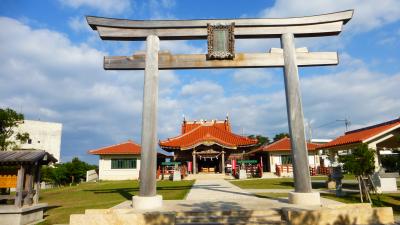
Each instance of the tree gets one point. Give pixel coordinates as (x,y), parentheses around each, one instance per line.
(9,120)
(280,136)
(66,173)
(261,139)
(361,162)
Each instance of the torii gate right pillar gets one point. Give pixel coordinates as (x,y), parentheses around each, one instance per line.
(301,173)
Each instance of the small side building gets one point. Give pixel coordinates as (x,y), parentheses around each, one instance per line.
(119,162)
(379,137)
(278,154)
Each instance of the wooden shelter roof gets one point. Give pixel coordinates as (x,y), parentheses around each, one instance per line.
(207,133)
(26,157)
(363,135)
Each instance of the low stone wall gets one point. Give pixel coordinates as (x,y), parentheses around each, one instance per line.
(121,216)
(11,215)
(353,214)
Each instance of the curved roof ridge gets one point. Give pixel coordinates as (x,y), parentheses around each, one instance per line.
(181,135)
(209,132)
(215,139)
(237,135)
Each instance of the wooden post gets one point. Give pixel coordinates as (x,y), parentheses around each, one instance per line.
(148,165)
(223,162)
(20,186)
(37,185)
(28,200)
(301,171)
(194,163)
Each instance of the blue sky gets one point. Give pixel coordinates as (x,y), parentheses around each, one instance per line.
(51,69)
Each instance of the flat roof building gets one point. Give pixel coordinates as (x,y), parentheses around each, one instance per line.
(42,136)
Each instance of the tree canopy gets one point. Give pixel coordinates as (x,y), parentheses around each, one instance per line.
(280,136)
(66,173)
(9,120)
(360,162)
(261,139)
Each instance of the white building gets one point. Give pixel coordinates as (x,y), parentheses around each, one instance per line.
(42,136)
(378,137)
(119,162)
(278,155)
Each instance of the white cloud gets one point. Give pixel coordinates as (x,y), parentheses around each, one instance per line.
(78,24)
(202,88)
(368,14)
(182,47)
(260,77)
(159,9)
(104,6)
(47,77)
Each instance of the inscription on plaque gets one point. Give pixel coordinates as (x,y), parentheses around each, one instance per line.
(221,41)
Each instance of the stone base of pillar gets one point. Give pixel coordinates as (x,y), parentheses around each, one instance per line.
(144,203)
(298,198)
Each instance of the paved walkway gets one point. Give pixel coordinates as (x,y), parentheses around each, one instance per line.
(221,190)
(217,189)
(219,194)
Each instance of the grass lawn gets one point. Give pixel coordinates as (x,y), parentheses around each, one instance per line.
(271,183)
(345,177)
(75,199)
(274,183)
(391,200)
(272,195)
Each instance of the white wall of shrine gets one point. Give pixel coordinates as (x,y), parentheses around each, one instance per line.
(108,173)
(277,158)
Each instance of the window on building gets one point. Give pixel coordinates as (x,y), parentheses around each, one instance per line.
(29,141)
(123,163)
(286,159)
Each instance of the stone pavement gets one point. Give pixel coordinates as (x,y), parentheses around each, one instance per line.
(220,194)
(217,189)
(220,190)
(223,203)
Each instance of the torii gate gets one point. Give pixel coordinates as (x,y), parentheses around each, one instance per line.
(221,35)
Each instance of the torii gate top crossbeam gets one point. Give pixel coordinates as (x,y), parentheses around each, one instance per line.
(310,26)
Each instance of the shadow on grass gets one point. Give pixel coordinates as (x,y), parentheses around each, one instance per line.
(127,193)
(47,208)
(315,185)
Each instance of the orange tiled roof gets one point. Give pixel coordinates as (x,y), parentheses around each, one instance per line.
(190,125)
(214,132)
(124,148)
(363,134)
(285,145)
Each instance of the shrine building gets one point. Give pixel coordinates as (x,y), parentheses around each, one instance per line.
(208,146)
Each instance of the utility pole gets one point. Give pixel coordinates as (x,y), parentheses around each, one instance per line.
(347,123)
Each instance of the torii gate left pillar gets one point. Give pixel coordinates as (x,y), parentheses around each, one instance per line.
(148,197)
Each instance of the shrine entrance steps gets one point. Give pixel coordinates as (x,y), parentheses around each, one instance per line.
(208,176)
(248,217)
(223,217)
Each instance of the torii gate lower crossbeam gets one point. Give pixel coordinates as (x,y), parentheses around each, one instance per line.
(288,57)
